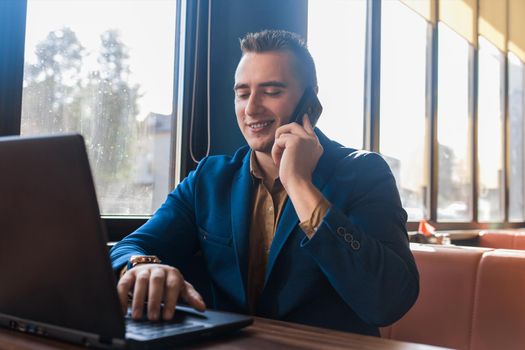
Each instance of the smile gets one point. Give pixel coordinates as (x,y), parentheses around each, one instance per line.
(260,125)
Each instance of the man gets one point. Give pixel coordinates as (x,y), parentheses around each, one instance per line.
(293,226)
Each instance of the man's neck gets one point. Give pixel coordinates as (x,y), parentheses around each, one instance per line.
(268,167)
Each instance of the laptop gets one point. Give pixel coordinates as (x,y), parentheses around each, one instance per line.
(56,274)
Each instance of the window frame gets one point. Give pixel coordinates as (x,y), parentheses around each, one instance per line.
(372,134)
(12,33)
(12,29)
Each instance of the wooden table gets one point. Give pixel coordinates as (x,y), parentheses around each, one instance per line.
(263,334)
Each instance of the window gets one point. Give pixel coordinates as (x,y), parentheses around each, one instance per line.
(402,127)
(490,133)
(516,135)
(105,69)
(336,39)
(455,175)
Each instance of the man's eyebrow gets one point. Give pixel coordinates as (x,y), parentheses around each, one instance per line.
(240,86)
(272,83)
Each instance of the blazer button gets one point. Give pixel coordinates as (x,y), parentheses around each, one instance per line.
(341,231)
(349,238)
(205,236)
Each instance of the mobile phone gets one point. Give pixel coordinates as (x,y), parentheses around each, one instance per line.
(309,104)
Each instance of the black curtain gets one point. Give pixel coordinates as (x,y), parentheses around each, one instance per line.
(12,37)
(230,20)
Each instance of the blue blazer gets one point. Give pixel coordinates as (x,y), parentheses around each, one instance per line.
(355,274)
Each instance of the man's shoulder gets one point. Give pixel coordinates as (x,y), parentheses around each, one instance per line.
(351,160)
(337,152)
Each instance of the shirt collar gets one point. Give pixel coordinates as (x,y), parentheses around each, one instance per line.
(255,169)
(257,173)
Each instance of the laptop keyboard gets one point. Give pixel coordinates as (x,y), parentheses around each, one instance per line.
(160,329)
(184,321)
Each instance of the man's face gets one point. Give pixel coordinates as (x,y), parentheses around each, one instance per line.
(266,93)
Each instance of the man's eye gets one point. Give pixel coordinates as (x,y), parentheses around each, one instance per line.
(273,92)
(242,95)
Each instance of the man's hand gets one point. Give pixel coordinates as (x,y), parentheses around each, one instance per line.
(156,283)
(296,152)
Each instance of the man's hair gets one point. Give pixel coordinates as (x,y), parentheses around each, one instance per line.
(282,40)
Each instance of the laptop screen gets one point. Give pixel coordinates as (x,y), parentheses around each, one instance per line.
(53,260)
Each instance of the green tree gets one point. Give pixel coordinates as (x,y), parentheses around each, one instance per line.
(60,95)
(53,83)
(114,103)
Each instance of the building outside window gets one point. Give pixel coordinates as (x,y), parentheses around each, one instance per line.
(403,141)
(490,133)
(454,138)
(516,76)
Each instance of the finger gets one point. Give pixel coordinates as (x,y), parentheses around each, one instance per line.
(174,284)
(307,125)
(284,142)
(277,151)
(139,294)
(281,130)
(291,128)
(155,291)
(193,298)
(124,286)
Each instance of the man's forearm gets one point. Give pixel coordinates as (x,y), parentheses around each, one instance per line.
(305,198)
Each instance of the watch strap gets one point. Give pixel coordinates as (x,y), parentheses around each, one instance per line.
(142,259)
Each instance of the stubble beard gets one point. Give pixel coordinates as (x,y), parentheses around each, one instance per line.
(265,147)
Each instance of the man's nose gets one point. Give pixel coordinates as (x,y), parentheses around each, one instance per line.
(254,105)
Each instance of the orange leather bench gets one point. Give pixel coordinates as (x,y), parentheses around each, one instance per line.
(470,298)
(506,239)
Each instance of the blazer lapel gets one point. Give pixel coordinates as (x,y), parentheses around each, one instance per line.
(285,227)
(240,217)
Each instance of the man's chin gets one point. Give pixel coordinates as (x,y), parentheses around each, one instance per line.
(262,148)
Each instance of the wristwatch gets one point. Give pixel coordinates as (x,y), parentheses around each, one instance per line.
(142,259)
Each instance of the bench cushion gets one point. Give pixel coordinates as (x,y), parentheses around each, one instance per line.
(442,315)
(499,309)
(502,239)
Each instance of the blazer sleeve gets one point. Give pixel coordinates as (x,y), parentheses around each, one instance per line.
(362,244)
(170,233)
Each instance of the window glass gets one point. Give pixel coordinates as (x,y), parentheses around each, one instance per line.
(105,69)
(455,175)
(402,127)
(516,132)
(490,133)
(336,39)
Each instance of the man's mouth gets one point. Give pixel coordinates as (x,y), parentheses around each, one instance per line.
(260,125)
